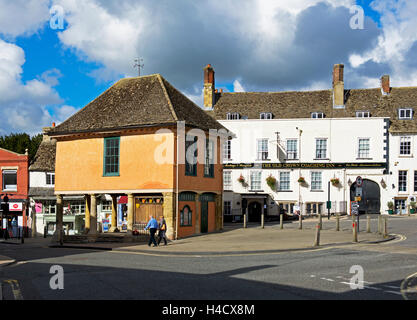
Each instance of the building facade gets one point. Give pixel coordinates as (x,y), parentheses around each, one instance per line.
(297,151)
(131,142)
(15,183)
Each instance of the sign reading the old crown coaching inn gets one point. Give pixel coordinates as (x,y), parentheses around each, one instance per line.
(364,165)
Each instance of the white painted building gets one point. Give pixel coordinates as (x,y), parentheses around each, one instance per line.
(316,149)
(402,182)
(319,136)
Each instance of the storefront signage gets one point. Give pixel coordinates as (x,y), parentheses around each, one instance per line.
(15,206)
(363,165)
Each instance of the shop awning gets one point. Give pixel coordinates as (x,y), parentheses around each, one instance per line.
(122,200)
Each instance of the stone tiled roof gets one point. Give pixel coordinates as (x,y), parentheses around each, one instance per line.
(300,104)
(137,102)
(41,192)
(44,159)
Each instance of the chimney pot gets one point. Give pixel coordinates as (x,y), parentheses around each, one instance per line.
(53,124)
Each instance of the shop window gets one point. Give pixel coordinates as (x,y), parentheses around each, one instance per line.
(314,208)
(186,217)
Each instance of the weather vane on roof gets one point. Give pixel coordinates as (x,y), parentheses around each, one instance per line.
(138,64)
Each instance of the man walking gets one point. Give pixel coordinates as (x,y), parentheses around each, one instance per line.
(152,226)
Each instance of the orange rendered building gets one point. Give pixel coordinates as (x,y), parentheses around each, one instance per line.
(144,139)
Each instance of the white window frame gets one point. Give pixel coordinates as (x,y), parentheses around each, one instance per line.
(402,114)
(403,140)
(51,177)
(232,116)
(319,156)
(294,154)
(317,115)
(415,181)
(363,114)
(227,150)
(402,185)
(258,180)
(286,182)
(106,206)
(229,205)
(8,171)
(314,181)
(261,153)
(265,116)
(368,155)
(227,186)
(317,205)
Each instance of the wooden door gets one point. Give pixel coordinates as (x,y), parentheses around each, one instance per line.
(204,216)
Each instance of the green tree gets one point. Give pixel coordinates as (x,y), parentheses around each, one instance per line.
(19,142)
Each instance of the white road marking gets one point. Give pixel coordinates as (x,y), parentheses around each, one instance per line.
(391,287)
(331,280)
(394,292)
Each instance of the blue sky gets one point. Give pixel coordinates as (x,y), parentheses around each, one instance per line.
(267,45)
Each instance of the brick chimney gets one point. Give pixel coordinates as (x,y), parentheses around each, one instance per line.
(385,85)
(209,87)
(338,87)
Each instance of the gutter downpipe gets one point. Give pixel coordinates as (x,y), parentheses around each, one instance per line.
(176,189)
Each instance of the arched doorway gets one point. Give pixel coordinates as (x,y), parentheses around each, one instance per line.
(254,211)
(371,197)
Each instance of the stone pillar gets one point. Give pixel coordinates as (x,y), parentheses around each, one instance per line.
(130,208)
(59,218)
(93,214)
(87,214)
(169,209)
(219,212)
(114,213)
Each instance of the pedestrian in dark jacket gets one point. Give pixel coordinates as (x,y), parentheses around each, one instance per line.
(153,227)
(162,230)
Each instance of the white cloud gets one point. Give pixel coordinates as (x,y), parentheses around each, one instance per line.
(397,41)
(22,17)
(237,86)
(23,105)
(242,39)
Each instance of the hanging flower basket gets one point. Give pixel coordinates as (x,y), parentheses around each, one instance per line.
(335,181)
(272,182)
(242,181)
(301,180)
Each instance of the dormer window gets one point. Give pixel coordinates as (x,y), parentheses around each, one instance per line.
(317,115)
(405,114)
(266,115)
(233,116)
(363,114)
